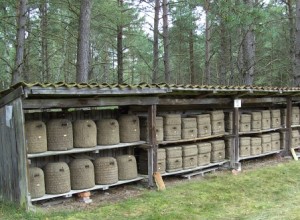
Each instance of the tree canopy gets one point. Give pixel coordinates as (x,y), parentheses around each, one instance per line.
(205,42)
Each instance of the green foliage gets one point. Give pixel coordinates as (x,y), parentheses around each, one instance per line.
(269,21)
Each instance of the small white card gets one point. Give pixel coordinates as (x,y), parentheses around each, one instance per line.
(237,103)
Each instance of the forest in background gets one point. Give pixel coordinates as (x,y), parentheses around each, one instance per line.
(225,42)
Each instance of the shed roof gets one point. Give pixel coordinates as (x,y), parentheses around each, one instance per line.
(62,89)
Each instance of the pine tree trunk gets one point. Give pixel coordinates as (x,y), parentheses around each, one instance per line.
(207,44)
(82,67)
(120,48)
(166,41)
(225,55)
(292,34)
(105,63)
(155,42)
(297,47)
(191,53)
(249,51)
(44,40)
(20,41)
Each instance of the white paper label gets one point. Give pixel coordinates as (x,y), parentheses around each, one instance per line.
(237,103)
(8,114)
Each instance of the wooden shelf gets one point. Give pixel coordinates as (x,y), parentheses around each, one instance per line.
(194,169)
(295,126)
(261,131)
(192,140)
(83,150)
(259,155)
(103,187)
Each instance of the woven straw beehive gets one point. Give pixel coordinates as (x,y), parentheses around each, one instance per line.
(36,182)
(266,143)
(161,161)
(36,137)
(127,167)
(217,156)
(204,130)
(172,132)
(129,128)
(203,119)
(295,138)
(158,129)
(204,159)
(189,162)
(245,127)
(174,151)
(245,118)
(245,146)
(172,119)
(295,115)
(255,148)
(217,127)
(57,178)
(217,115)
(174,164)
(82,174)
(85,133)
(189,133)
(256,125)
(59,134)
(106,170)
(189,150)
(189,123)
(108,132)
(275,138)
(217,150)
(256,116)
(204,147)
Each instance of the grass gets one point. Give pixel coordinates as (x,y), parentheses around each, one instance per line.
(265,193)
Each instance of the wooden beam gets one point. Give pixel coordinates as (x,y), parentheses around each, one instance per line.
(234,157)
(263,100)
(92,91)
(288,134)
(87,102)
(16,93)
(197,101)
(152,151)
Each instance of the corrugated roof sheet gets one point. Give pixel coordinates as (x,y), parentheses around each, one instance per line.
(163,86)
(159,85)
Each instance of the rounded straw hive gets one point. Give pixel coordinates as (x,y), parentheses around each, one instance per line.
(129,128)
(36,182)
(82,174)
(85,133)
(127,167)
(36,136)
(108,132)
(106,170)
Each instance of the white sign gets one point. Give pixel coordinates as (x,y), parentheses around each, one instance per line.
(237,103)
(8,113)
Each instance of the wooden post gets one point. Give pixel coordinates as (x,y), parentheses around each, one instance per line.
(234,160)
(288,134)
(152,151)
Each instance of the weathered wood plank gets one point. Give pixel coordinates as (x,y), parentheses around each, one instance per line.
(87,102)
(235,147)
(83,150)
(288,134)
(11,96)
(263,100)
(13,170)
(21,154)
(152,151)
(93,91)
(197,101)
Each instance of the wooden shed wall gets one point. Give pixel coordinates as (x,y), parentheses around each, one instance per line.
(13,178)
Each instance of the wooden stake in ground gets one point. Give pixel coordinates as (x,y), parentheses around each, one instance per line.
(294,154)
(159,181)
